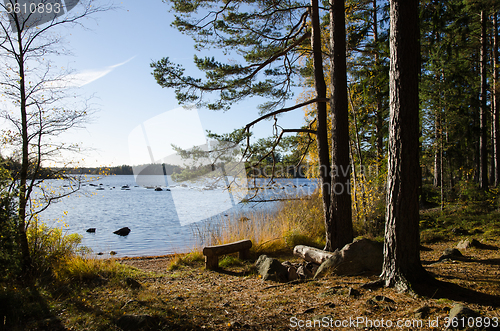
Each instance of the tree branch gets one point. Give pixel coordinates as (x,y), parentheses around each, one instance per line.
(284,110)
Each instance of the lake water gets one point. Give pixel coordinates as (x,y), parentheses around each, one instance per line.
(161,222)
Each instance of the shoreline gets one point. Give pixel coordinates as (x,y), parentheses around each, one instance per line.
(147,257)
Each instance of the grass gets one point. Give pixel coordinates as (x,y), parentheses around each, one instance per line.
(230,261)
(180,261)
(457,221)
(81,269)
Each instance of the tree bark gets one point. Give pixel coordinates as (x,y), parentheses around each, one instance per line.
(483,140)
(340,226)
(402,266)
(496,104)
(23,173)
(437,151)
(322,117)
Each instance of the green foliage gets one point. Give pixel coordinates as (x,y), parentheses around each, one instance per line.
(473,213)
(9,251)
(192,173)
(261,35)
(368,67)
(51,246)
(230,261)
(368,198)
(450,86)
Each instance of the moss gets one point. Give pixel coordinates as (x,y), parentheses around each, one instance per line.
(431,236)
(230,261)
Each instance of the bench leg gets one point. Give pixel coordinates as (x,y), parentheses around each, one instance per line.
(211,262)
(244,254)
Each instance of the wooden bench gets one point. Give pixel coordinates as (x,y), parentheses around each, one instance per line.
(212,253)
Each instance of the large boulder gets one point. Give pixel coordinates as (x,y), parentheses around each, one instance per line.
(468,243)
(452,254)
(459,317)
(362,255)
(271,269)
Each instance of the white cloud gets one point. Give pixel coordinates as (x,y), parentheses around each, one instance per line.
(85,77)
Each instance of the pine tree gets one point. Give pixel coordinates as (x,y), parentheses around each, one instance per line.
(402,266)
(271,37)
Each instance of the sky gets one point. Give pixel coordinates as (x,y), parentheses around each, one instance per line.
(111,60)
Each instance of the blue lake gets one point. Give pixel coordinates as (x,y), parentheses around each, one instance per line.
(161,222)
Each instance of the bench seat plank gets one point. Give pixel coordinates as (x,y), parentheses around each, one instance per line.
(212,253)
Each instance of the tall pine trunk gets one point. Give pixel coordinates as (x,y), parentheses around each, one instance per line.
(437,150)
(340,226)
(322,118)
(496,104)
(483,112)
(402,266)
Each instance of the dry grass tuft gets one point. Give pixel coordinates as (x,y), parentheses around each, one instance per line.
(291,223)
(180,261)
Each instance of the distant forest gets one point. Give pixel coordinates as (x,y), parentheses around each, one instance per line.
(145,169)
(157,169)
(282,169)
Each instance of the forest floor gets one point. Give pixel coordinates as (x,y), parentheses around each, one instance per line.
(233,298)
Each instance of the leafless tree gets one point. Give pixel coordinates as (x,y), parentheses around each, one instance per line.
(37,104)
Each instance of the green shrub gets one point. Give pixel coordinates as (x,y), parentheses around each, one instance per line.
(9,252)
(51,246)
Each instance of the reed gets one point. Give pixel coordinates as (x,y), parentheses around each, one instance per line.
(292,222)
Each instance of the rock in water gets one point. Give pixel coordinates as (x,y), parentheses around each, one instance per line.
(123,231)
(91,230)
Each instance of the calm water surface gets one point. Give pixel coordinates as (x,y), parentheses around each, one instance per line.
(151,215)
